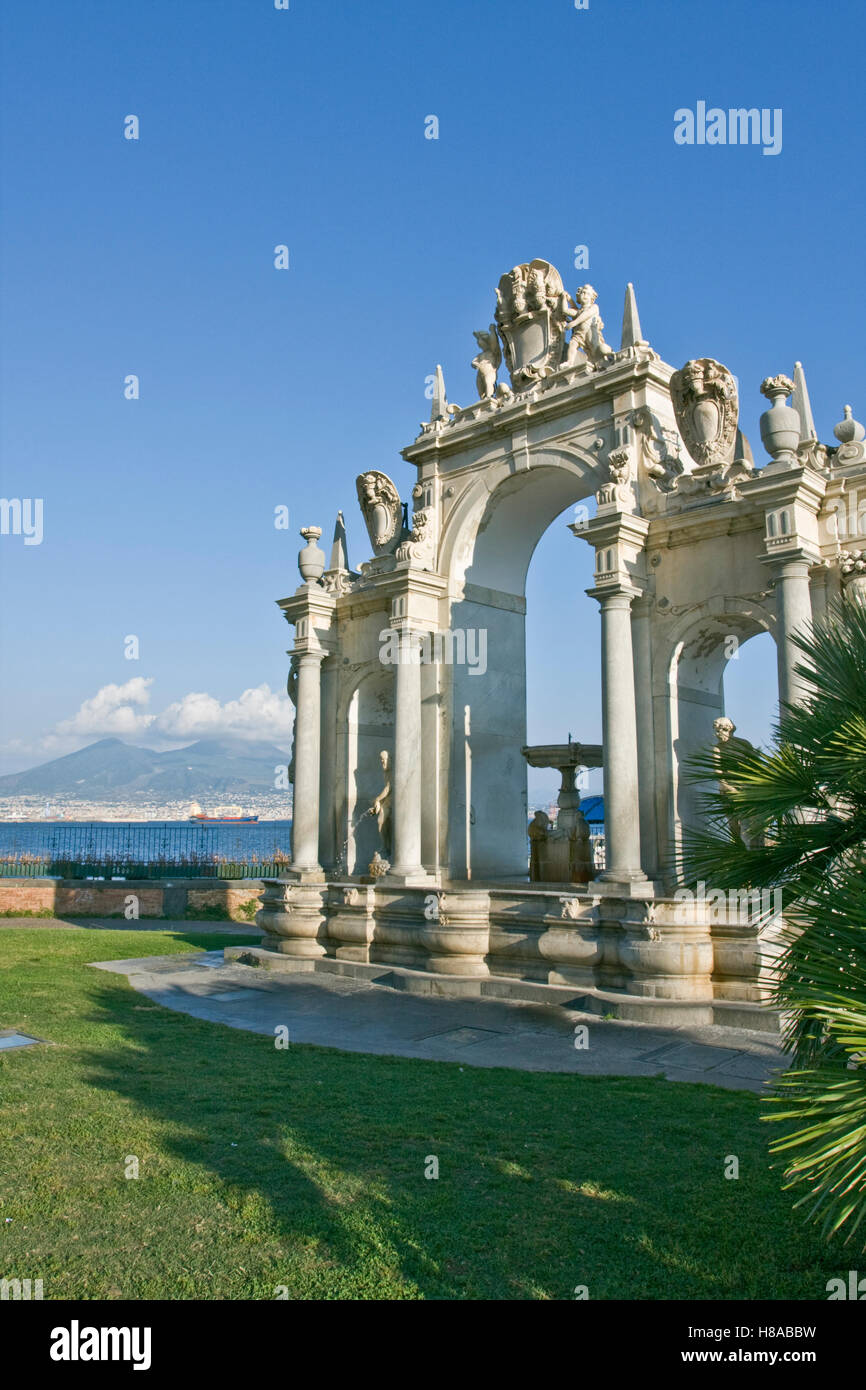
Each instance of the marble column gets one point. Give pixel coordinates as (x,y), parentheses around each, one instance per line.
(328,843)
(406,786)
(619,738)
(793,614)
(305,809)
(644,709)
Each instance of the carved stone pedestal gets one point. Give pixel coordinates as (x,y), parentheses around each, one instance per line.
(294,917)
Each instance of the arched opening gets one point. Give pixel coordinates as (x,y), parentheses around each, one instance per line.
(563,655)
(697,696)
(487,772)
(751,689)
(369,732)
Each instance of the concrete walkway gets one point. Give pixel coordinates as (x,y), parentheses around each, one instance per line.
(357,1016)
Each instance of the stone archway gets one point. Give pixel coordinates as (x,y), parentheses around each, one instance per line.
(700,650)
(368,729)
(489,545)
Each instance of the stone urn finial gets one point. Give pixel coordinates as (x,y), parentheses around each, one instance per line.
(849,430)
(780,425)
(311,560)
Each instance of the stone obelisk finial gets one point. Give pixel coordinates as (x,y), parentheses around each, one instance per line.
(631,334)
(801,403)
(339,549)
(439,410)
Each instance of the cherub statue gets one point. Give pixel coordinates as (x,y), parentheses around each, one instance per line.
(487,362)
(587,330)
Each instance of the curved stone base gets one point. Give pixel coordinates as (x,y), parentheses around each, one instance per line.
(621,947)
(294,918)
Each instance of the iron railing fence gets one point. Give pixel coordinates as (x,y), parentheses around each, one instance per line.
(157,851)
(144,850)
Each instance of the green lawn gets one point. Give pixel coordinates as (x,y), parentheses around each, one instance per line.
(304,1168)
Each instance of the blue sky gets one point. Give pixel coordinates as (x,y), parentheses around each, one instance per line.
(262,387)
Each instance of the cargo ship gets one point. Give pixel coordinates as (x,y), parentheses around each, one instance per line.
(232,815)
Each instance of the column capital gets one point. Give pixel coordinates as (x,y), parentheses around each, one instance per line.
(610,529)
(312,606)
(794,560)
(408,627)
(624,594)
(643,605)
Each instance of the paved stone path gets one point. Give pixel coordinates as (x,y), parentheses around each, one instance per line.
(356,1016)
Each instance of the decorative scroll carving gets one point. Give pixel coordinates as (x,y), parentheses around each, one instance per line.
(619,463)
(659,448)
(339,581)
(420,545)
(619,469)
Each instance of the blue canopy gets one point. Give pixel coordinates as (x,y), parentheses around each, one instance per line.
(593,809)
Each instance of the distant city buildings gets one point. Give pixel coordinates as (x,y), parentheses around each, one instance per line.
(267,806)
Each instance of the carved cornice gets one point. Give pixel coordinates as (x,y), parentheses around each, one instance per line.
(564,393)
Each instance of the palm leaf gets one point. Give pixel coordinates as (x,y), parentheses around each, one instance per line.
(803,803)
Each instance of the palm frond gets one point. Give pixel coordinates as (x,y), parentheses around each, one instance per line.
(794,819)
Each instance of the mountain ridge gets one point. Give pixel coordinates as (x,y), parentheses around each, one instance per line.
(205,768)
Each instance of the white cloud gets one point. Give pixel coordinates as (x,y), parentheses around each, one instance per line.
(123,711)
(259,713)
(114,710)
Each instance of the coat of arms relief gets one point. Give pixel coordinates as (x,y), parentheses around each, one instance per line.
(704,395)
(390,536)
(382,510)
(534,313)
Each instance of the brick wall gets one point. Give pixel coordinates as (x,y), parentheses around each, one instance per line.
(74,897)
(232,898)
(77,899)
(27,894)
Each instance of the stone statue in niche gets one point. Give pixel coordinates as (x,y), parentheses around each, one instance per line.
(381,807)
(587,329)
(382,510)
(724,730)
(486,362)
